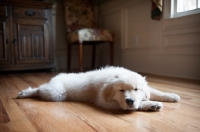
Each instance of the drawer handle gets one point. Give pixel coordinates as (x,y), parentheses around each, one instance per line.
(14,40)
(30,13)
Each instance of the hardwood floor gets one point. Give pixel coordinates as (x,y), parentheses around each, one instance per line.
(33,115)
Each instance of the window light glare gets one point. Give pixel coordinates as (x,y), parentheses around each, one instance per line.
(186,5)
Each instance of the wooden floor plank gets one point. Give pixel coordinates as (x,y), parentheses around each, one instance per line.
(40,114)
(3,114)
(107,119)
(16,117)
(6,127)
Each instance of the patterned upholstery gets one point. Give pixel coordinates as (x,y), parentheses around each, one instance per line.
(80,21)
(90,34)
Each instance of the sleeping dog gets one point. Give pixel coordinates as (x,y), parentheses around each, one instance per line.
(109,87)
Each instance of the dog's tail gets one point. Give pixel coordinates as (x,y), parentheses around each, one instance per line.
(29,92)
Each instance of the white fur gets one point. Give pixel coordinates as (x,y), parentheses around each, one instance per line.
(109,87)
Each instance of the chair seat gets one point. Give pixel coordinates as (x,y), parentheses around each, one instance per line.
(90,34)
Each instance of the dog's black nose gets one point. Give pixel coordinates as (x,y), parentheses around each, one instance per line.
(129,101)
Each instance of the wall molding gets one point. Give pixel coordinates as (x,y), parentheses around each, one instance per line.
(181,32)
(189,40)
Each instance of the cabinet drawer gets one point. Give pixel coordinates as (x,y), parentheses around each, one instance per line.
(3,11)
(29,12)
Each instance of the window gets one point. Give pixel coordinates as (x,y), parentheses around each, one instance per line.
(184,7)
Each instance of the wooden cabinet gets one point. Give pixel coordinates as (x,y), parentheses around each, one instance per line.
(4,33)
(26,36)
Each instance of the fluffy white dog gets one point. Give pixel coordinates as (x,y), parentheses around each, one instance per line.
(109,87)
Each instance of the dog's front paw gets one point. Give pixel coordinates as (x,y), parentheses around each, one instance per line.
(151,106)
(156,106)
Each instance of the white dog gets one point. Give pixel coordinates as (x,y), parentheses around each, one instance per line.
(109,87)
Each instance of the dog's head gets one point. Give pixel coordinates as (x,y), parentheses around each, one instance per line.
(128,93)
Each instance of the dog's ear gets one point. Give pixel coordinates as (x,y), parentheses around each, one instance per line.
(147,93)
(146,89)
(108,92)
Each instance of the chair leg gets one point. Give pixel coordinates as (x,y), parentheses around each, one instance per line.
(80,56)
(111,52)
(93,55)
(69,58)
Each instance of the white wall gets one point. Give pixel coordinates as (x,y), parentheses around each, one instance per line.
(170,47)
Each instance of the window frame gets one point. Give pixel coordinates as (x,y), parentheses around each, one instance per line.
(179,14)
(170,10)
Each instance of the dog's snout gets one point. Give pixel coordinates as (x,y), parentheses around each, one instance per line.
(129,101)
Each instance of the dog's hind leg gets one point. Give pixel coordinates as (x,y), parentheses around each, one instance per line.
(162,96)
(45,91)
(29,92)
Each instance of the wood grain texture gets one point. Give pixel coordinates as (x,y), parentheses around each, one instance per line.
(37,115)
(3,114)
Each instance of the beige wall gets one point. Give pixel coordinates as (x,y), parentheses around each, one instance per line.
(169,47)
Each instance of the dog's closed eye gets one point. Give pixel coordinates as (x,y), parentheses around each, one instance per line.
(121,90)
(135,89)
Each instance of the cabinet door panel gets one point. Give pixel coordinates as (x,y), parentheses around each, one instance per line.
(31,46)
(31,42)
(38,48)
(4,46)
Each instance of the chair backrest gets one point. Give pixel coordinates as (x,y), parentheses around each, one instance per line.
(79,14)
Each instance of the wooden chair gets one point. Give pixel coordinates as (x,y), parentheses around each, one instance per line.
(82,30)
